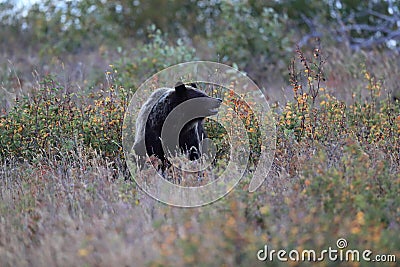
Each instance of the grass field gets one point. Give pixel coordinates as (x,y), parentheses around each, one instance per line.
(66,198)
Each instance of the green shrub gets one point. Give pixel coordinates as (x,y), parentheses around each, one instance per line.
(141,62)
(53,122)
(252,38)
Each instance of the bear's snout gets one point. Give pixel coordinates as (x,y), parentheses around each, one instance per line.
(214,106)
(216,102)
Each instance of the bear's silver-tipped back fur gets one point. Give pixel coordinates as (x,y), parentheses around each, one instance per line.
(155,97)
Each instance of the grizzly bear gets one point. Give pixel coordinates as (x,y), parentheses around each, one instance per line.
(185,125)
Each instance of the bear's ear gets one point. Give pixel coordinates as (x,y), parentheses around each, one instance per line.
(180,88)
(193,85)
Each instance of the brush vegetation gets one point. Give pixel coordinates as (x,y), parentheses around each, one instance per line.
(67,198)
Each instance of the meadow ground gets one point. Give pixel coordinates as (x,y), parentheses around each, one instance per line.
(66,198)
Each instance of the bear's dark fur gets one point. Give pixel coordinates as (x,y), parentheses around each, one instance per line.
(154,113)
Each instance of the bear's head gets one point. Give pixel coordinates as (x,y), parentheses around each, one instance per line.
(184,92)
